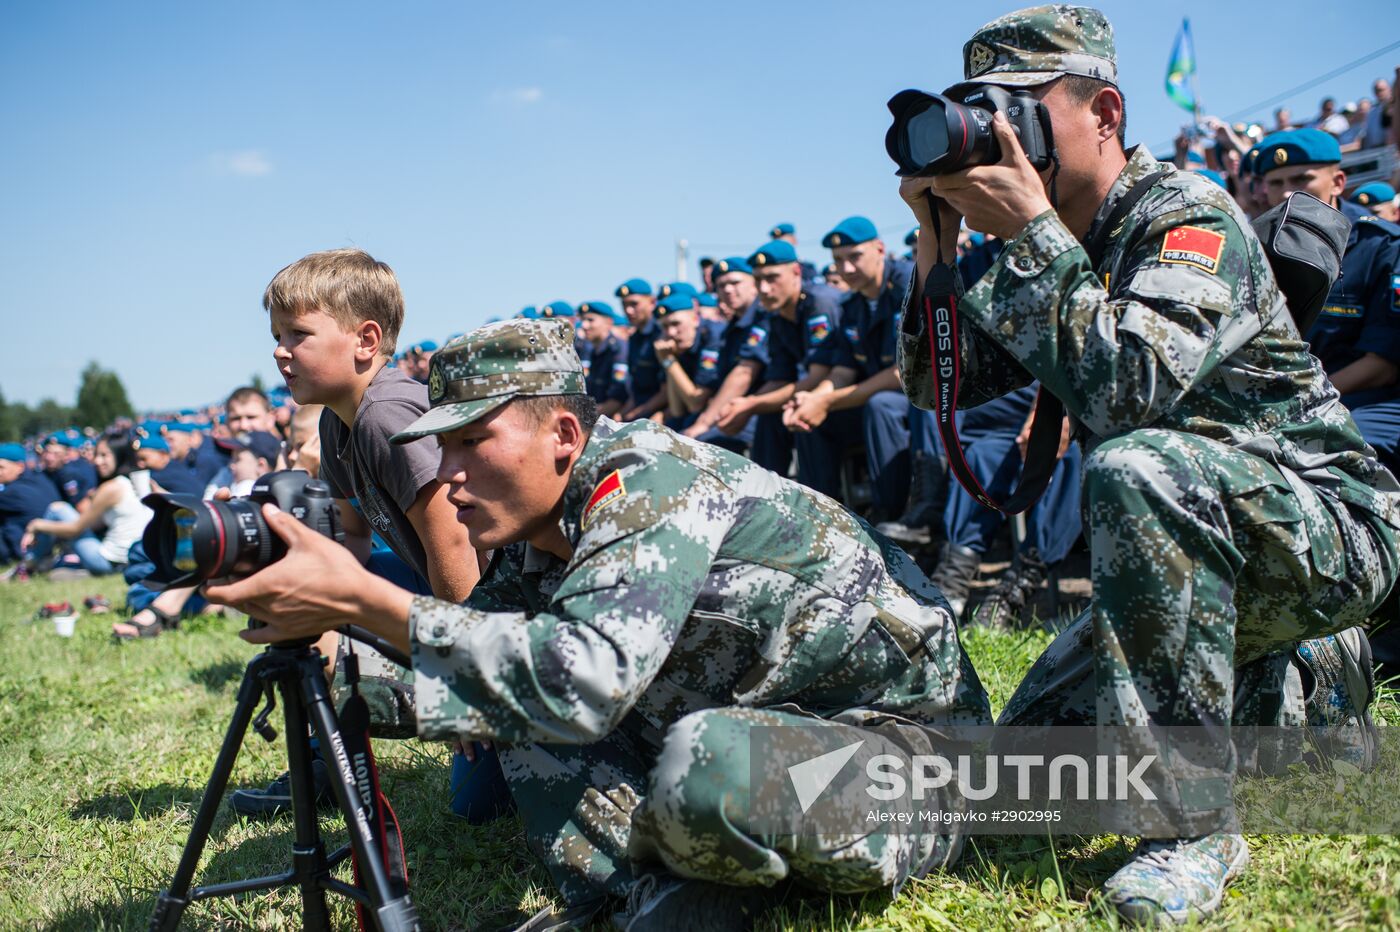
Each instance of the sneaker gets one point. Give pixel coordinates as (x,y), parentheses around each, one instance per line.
(1005,605)
(954,575)
(277,797)
(1338,704)
(97,604)
(52,609)
(1176,880)
(662,903)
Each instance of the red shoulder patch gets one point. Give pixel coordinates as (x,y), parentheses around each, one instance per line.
(1193,246)
(608,489)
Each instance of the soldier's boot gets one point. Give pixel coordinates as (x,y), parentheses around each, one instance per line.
(662,903)
(1338,703)
(1176,880)
(956,570)
(276,798)
(1005,606)
(928,493)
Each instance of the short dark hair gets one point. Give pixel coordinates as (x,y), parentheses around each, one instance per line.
(539,407)
(248,393)
(1082,90)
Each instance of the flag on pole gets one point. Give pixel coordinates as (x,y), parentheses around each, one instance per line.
(1181,70)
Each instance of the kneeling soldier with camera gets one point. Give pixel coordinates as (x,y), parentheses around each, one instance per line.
(651,601)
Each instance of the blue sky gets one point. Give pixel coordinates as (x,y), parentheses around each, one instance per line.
(161,161)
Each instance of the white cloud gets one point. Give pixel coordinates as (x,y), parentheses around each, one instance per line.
(246,163)
(520,96)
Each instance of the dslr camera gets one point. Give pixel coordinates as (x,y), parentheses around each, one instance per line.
(933,134)
(191,540)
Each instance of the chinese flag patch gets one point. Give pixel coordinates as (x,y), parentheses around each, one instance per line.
(1193,246)
(608,489)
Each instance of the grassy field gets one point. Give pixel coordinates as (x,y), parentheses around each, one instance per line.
(104,750)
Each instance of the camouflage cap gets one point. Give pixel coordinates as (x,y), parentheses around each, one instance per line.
(1039,44)
(479,371)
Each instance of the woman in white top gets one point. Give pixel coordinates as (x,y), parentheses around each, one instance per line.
(115,503)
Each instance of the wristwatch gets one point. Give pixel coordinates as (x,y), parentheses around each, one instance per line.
(668,362)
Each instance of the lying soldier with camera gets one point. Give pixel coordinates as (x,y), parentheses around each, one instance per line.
(651,601)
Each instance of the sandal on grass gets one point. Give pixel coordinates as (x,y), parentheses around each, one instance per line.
(163,621)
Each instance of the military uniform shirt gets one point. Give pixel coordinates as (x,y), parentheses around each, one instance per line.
(701,362)
(21,501)
(643,368)
(869,339)
(605,371)
(74,480)
(697,580)
(809,340)
(752,343)
(1181,327)
(1362,311)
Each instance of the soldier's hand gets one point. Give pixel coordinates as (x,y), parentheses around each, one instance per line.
(915,191)
(665,349)
(309,591)
(1001,198)
(734,416)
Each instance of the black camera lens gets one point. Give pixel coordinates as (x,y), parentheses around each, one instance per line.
(191,540)
(934,135)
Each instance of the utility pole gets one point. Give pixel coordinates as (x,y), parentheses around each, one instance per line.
(682,259)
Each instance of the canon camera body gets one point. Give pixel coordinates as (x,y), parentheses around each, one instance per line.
(191,540)
(933,134)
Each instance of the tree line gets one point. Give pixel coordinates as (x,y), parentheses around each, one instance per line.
(101,399)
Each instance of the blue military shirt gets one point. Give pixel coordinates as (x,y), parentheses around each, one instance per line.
(74,480)
(744,337)
(206,460)
(870,329)
(21,501)
(809,340)
(179,478)
(702,361)
(642,365)
(605,370)
(1362,311)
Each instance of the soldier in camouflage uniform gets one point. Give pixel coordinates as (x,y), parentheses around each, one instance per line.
(661,598)
(1231,506)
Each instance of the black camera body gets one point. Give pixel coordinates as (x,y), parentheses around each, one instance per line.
(191,540)
(935,135)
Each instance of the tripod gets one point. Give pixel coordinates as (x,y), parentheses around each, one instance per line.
(296,671)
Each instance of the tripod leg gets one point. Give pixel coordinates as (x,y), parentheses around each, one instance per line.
(170,906)
(391,913)
(308,854)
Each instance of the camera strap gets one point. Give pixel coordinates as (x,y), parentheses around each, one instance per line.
(384,825)
(939,303)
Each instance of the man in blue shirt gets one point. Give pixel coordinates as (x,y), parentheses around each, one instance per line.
(73,476)
(802,323)
(24,495)
(153,454)
(689,350)
(605,356)
(743,352)
(643,368)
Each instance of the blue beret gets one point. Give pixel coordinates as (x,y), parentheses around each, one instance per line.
(153,442)
(181,427)
(685,288)
(1212,175)
(14,452)
(1296,147)
(1377,192)
(149,428)
(707,300)
(849,232)
(778,252)
(673,303)
(782,229)
(828,269)
(603,308)
(732,264)
(557,309)
(633,286)
(427,346)
(188,412)
(529,312)
(912,239)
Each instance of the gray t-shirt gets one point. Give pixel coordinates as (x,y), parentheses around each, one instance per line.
(382,480)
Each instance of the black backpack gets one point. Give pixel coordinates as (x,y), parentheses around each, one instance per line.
(1304,240)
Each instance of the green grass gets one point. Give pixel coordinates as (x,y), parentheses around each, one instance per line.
(104,750)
